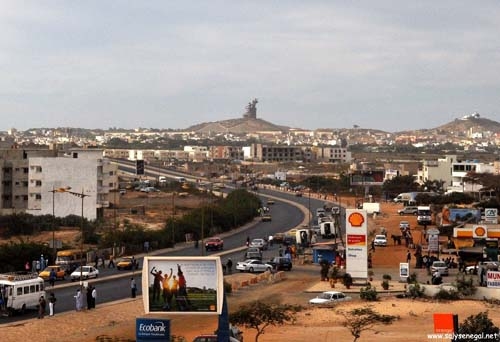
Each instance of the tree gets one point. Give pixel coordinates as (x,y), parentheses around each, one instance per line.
(475,325)
(399,184)
(360,319)
(259,315)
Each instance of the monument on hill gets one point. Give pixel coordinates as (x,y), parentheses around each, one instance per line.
(251,108)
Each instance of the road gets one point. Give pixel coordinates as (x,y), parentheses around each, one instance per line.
(113,285)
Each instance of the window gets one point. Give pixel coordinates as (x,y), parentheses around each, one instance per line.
(32,288)
(19,291)
(26,290)
(38,196)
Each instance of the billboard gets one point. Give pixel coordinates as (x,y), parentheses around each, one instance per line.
(182,285)
(356,247)
(458,215)
(366,177)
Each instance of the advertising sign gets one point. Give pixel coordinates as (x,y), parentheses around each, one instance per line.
(150,330)
(493,279)
(404,270)
(491,215)
(182,285)
(433,243)
(357,246)
(445,323)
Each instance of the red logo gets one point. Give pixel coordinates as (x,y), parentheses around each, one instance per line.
(356,219)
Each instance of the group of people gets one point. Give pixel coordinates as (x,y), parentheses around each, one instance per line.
(170,286)
(91,296)
(42,305)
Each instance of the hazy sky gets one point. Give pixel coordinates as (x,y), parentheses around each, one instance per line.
(390,65)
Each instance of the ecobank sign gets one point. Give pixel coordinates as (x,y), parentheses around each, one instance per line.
(152,329)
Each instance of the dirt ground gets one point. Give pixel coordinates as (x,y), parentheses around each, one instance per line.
(117,321)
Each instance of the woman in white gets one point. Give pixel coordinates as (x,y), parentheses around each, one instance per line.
(78,300)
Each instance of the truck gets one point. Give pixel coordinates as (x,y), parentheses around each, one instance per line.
(371,208)
(406,198)
(328,230)
(424,217)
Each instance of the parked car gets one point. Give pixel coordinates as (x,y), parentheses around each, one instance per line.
(149,189)
(127,263)
(278,238)
(253,253)
(403,225)
(211,338)
(408,211)
(259,243)
(439,266)
(380,240)
(281,263)
(298,194)
(87,272)
(214,244)
(60,272)
(253,265)
(330,297)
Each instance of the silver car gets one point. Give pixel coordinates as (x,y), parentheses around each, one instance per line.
(439,266)
(253,265)
(259,243)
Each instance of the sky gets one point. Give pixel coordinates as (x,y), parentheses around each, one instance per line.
(389,65)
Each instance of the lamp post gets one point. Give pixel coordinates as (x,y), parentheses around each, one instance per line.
(173,218)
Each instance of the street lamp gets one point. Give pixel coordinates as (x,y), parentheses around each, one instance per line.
(53,191)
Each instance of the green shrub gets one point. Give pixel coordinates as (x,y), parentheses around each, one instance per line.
(465,285)
(368,293)
(228,288)
(415,290)
(387,277)
(412,279)
(385,284)
(450,294)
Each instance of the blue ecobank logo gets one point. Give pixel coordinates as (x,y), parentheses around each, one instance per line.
(147,329)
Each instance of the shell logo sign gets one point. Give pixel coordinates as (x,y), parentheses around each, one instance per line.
(480,232)
(356,219)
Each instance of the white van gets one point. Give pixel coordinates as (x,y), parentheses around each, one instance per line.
(20,291)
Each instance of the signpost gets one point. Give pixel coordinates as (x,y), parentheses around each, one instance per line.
(491,215)
(357,247)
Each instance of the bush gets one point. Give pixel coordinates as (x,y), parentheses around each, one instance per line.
(228,288)
(478,324)
(450,294)
(385,284)
(387,277)
(415,290)
(368,293)
(412,279)
(347,280)
(465,285)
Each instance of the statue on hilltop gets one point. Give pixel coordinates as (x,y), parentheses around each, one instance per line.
(251,108)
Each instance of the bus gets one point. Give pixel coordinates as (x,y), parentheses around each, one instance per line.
(70,259)
(20,291)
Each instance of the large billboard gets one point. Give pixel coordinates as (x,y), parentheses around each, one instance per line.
(182,285)
(366,177)
(357,247)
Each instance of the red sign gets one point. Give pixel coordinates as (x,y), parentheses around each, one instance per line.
(443,323)
(359,240)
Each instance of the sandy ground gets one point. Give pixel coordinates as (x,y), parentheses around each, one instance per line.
(117,321)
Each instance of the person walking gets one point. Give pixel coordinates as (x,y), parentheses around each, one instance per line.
(111,263)
(229,266)
(52,303)
(94,296)
(42,304)
(89,297)
(52,277)
(133,287)
(408,256)
(78,300)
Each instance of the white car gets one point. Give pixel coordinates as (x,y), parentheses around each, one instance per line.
(253,265)
(439,266)
(330,297)
(380,240)
(259,243)
(86,272)
(489,265)
(404,225)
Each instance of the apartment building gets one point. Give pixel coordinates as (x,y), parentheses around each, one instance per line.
(331,154)
(226,152)
(276,153)
(28,178)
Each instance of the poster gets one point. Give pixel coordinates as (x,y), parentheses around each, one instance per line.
(182,285)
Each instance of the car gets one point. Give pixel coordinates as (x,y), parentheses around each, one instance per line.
(279,238)
(330,297)
(408,211)
(253,253)
(214,244)
(87,272)
(298,194)
(259,243)
(270,202)
(123,191)
(253,265)
(60,272)
(403,225)
(127,263)
(380,240)
(149,189)
(281,263)
(266,218)
(490,265)
(439,266)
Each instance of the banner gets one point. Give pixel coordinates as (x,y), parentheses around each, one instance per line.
(182,285)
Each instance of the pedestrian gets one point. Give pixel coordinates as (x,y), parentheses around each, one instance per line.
(103,263)
(78,300)
(408,257)
(52,303)
(270,240)
(133,287)
(27,266)
(94,296)
(52,277)
(134,263)
(96,261)
(248,241)
(42,304)
(111,261)
(229,266)
(89,297)
(373,245)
